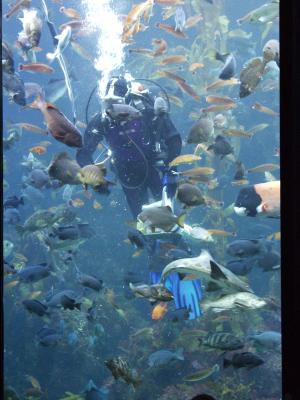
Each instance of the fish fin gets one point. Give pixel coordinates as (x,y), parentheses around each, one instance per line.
(212,287)
(50,105)
(221,57)
(181,219)
(216,272)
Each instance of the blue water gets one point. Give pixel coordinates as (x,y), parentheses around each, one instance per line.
(70,365)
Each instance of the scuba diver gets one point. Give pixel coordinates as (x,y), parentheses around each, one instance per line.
(143,140)
(141,137)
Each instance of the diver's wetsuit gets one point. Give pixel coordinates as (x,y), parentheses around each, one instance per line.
(133,147)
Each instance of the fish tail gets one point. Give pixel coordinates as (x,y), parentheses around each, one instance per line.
(219,56)
(181,219)
(226,363)
(37,103)
(179,353)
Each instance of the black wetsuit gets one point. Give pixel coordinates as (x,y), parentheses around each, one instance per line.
(133,147)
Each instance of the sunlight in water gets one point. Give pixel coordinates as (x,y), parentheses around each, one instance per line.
(101,16)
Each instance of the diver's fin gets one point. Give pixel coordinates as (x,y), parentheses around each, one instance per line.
(187,294)
(216,272)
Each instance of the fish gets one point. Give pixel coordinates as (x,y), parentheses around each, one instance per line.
(271,51)
(240,267)
(184,159)
(193,67)
(236,133)
(30,128)
(161,218)
(244,248)
(65,169)
(77,203)
(13,202)
(205,267)
(70,12)
(221,147)
(171,75)
(10,285)
(34,273)
(159,311)
(219,107)
(12,216)
(94,175)
(123,112)
(202,374)
(163,357)
(259,107)
(189,195)
(259,199)
(221,232)
(198,233)
(201,131)
(263,14)
(58,124)
(97,205)
(55,89)
(35,307)
(188,89)
(72,232)
(221,83)
(63,41)
(7,248)
(219,99)
(119,368)
(38,150)
(192,21)
(16,7)
(146,52)
(153,293)
(90,281)
(171,29)
(36,67)
(14,87)
(194,172)
(264,168)
(180,19)
(222,341)
(170,2)
(269,261)
(229,68)
(267,339)
(38,220)
(38,178)
(176,100)
(66,299)
(162,46)
(239,300)
(173,59)
(243,360)
(251,75)
(240,182)
(274,236)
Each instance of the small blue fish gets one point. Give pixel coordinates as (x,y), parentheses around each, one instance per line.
(162,357)
(34,273)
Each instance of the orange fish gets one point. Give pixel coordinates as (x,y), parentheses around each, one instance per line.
(170,75)
(195,66)
(220,83)
(77,203)
(38,150)
(173,59)
(192,21)
(259,107)
(57,123)
(219,107)
(188,89)
(36,67)
(159,311)
(219,99)
(31,128)
(171,29)
(176,100)
(137,11)
(70,12)
(145,52)
(162,46)
(11,284)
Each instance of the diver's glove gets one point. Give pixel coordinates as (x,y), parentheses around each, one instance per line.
(170,181)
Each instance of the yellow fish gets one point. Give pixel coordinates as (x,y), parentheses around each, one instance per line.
(220,232)
(184,159)
(35,383)
(274,236)
(97,205)
(11,284)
